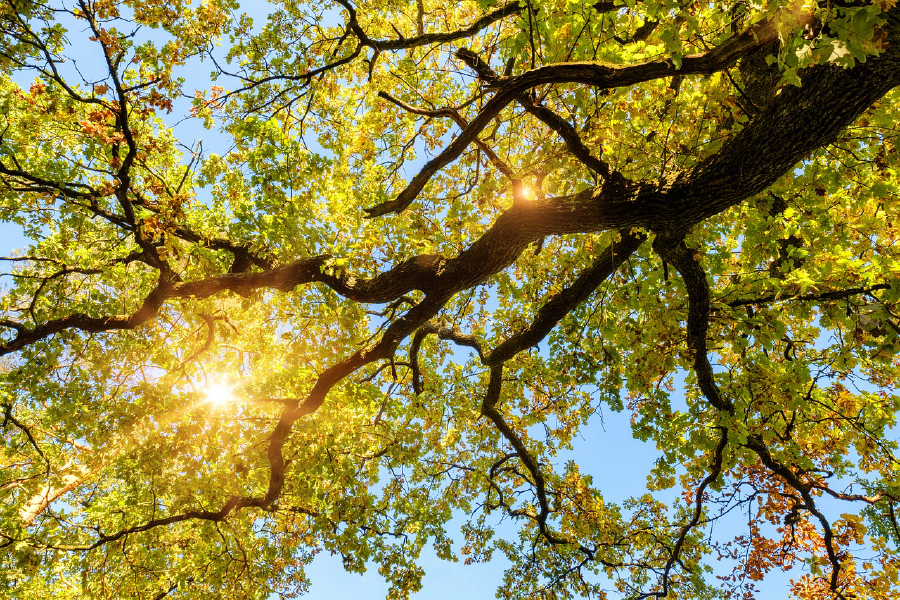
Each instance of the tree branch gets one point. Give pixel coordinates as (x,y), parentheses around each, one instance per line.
(756,443)
(714,472)
(445,333)
(565,130)
(563,303)
(829,295)
(698,317)
(505,10)
(588,73)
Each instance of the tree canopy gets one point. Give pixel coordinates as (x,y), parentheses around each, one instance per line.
(362,288)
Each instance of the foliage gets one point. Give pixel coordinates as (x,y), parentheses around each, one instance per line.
(424,245)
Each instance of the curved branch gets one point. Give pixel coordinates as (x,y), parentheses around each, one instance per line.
(457,118)
(378,46)
(445,333)
(698,317)
(83,322)
(414,273)
(489,410)
(9,418)
(829,295)
(697,288)
(505,10)
(562,304)
(714,472)
(440,278)
(565,129)
(756,443)
(588,73)
(210,336)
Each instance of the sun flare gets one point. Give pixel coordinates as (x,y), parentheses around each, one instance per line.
(219,393)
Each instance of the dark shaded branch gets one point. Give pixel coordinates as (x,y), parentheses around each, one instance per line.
(83,322)
(679,256)
(830,295)
(417,273)
(489,410)
(640,34)
(210,335)
(565,129)
(714,472)
(607,6)
(9,418)
(454,115)
(573,141)
(165,593)
(74,191)
(587,73)
(505,10)
(414,346)
(445,333)
(409,275)
(756,443)
(303,78)
(243,255)
(892,516)
(202,515)
(563,303)
(435,275)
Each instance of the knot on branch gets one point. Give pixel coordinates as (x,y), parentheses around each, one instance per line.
(477,64)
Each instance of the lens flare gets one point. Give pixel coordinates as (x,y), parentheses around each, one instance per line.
(218,393)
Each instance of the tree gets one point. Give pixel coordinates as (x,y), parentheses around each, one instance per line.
(420,249)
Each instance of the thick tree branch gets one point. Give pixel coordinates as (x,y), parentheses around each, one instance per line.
(565,129)
(83,322)
(697,288)
(490,410)
(440,278)
(592,74)
(563,303)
